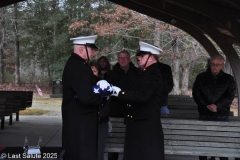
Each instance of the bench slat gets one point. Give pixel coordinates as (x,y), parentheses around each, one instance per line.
(200,144)
(182,150)
(197,122)
(202,151)
(206,133)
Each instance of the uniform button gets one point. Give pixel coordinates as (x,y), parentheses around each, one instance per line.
(128,115)
(131,116)
(123,92)
(98,112)
(102,104)
(129,105)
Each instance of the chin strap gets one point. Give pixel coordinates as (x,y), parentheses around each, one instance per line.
(146,62)
(87,53)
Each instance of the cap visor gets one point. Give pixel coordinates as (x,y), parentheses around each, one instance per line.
(140,53)
(92,46)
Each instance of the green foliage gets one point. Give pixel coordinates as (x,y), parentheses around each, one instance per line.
(45,28)
(8,75)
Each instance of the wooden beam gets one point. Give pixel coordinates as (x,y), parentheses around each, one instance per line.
(9,2)
(216,13)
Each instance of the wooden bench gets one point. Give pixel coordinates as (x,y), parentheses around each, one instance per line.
(12,102)
(181,106)
(186,137)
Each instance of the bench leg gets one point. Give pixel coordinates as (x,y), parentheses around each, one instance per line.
(105,156)
(120,156)
(17,116)
(2,122)
(10,119)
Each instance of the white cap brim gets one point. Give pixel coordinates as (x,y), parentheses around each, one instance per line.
(84,39)
(149,48)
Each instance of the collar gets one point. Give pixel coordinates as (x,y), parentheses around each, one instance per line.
(80,58)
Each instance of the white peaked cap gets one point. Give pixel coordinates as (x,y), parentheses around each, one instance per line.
(149,48)
(84,40)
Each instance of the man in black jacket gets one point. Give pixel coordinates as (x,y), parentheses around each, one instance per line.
(80,114)
(214,91)
(120,76)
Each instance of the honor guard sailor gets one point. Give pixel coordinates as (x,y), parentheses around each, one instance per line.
(80,114)
(144,134)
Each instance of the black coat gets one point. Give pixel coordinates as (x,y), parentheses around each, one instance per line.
(166,72)
(218,90)
(118,77)
(79,115)
(144,136)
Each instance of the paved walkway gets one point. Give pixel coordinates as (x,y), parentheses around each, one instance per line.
(32,127)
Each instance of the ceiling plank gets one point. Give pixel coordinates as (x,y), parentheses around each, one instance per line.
(9,2)
(212,11)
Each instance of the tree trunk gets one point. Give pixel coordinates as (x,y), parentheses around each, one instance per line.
(2,37)
(1,67)
(17,62)
(157,34)
(32,70)
(176,73)
(185,76)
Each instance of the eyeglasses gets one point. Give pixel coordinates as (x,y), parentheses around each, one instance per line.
(121,58)
(217,65)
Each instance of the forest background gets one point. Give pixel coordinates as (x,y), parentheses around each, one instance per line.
(35,45)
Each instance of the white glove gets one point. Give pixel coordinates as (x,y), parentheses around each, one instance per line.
(116,91)
(103,84)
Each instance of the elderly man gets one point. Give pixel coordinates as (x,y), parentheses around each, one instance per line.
(80,114)
(214,91)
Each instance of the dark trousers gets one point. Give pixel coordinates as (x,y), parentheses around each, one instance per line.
(206,118)
(102,136)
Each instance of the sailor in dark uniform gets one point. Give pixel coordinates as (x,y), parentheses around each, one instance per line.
(144,135)
(80,103)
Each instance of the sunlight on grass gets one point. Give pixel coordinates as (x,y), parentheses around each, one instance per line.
(33,112)
(235,111)
(50,101)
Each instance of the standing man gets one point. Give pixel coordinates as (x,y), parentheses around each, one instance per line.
(80,115)
(144,135)
(166,72)
(120,76)
(214,91)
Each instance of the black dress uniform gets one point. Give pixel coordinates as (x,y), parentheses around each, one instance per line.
(79,115)
(144,136)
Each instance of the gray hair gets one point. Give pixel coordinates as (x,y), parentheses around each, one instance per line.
(217,56)
(123,51)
